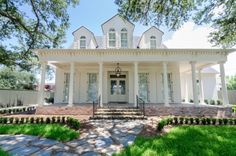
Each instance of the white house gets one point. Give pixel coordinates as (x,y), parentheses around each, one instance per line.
(119,66)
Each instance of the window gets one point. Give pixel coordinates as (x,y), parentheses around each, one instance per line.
(143,81)
(82,42)
(153,42)
(66,87)
(124,38)
(112,38)
(92,87)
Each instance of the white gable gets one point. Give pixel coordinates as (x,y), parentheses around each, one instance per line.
(145,38)
(90,39)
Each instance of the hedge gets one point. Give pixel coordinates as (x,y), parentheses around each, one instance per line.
(69,121)
(17,110)
(194,121)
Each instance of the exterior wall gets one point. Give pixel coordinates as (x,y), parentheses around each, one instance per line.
(231,95)
(145,39)
(90,40)
(25,96)
(155,82)
(117,23)
(208,82)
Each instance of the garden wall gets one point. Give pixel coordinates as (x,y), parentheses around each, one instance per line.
(189,110)
(231,95)
(26,97)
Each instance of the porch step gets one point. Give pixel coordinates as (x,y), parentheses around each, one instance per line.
(118,113)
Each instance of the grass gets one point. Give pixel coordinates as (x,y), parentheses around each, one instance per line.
(52,131)
(188,141)
(3,153)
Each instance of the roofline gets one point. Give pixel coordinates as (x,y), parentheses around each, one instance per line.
(89,31)
(147,30)
(114,17)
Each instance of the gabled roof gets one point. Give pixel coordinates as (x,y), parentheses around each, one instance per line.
(113,18)
(148,30)
(88,31)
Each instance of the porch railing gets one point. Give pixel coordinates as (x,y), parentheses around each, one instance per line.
(96,104)
(140,104)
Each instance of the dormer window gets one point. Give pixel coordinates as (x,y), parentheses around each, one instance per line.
(153,42)
(124,38)
(112,38)
(82,42)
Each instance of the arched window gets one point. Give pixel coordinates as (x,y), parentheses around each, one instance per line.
(153,43)
(124,38)
(82,42)
(112,38)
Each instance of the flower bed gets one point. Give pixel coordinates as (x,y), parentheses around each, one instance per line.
(69,121)
(194,121)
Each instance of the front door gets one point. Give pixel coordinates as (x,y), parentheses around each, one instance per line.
(118,89)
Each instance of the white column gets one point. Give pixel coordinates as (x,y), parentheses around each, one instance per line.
(186,89)
(71,85)
(42,83)
(201,91)
(100,83)
(165,85)
(194,83)
(135,82)
(223,84)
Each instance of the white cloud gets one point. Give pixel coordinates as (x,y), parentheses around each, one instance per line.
(193,36)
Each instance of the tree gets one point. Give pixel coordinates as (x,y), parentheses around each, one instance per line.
(13,79)
(231,82)
(221,14)
(31,24)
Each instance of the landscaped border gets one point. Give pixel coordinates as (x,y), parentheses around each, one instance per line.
(69,121)
(194,121)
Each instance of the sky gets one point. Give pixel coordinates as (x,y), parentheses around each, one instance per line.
(92,13)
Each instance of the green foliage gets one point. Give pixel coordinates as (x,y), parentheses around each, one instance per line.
(220,14)
(3,153)
(161,124)
(12,79)
(231,82)
(52,131)
(31,25)
(73,123)
(186,140)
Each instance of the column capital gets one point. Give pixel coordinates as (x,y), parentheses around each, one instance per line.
(221,62)
(135,63)
(164,62)
(192,62)
(100,63)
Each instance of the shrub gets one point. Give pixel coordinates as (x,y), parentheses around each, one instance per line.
(27,120)
(191,101)
(58,119)
(231,122)
(37,120)
(63,119)
(208,121)
(213,120)
(220,121)
(24,109)
(31,120)
(225,121)
(53,119)
(191,120)
(212,102)
(74,123)
(203,120)
(186,120)
(206,101)
(11,120)
(175,120)
(48,120)
(41,120)
(181,120)
(197,121)
(161,124)
(22,120)
(219,102)
(16,120)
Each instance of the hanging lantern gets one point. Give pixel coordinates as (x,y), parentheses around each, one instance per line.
(118,70)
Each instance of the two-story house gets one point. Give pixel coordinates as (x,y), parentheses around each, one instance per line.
(119,66)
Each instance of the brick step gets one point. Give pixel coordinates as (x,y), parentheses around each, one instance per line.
(120,117)
(117,113)
(117,110)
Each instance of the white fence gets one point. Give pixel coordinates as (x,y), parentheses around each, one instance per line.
(12,97)
(231,95)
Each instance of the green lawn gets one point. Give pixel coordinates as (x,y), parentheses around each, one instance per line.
(52,131)
(3,153)
(187,141)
